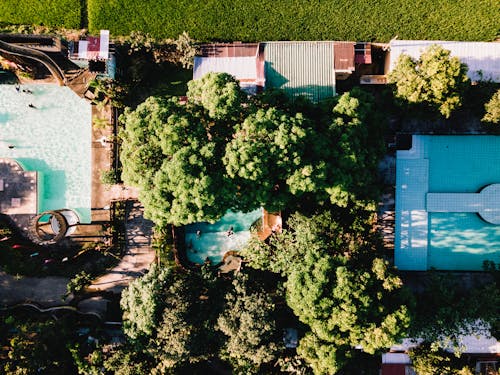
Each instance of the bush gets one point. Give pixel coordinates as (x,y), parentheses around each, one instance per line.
(257,20)
(493,109)
(62,13)
(109,177)
(78,283)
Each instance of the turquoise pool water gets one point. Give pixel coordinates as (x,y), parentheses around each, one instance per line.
(54,139)
(465,164)
(214,241)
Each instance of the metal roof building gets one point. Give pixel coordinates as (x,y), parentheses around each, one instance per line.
(482,58)
(301,68)
(238,59)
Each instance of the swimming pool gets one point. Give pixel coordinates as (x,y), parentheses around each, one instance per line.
(54,139)
(440,238)
(213,241)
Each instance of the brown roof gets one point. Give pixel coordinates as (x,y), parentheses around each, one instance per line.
(344,56)
(393,369)
(229,50)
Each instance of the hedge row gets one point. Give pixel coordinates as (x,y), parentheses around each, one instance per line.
(60,13)
(255,20)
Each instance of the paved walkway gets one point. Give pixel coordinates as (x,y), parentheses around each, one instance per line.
(138,256)
(45,291)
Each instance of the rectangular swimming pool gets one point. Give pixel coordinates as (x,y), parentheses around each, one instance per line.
(426,237)
(54,138)
(464,164)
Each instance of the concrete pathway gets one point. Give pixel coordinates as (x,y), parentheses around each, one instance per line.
(138,256)
(45,291)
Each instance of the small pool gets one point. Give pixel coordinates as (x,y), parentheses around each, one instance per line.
(54,138)
(214,241)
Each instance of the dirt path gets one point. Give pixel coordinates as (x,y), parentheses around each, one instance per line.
(138,257)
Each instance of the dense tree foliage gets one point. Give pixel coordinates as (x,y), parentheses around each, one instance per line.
(169,152)
(32,346)
(435,79)
(248,323)
(337,285)
(429,361)
(219,94)
(445,310)
(271,158)
(141,303)
(220,151)
(175,320)
(493,109)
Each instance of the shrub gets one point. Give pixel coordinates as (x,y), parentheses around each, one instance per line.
(109,177)
(78,283)
(493,109)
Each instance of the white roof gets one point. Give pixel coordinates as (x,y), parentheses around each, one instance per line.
(396,358)
(239,67)
(479,344)
(479,56)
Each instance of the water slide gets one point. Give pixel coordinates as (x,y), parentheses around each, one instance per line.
(36,55)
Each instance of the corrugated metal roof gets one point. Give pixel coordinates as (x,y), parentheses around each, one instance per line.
(301,68)
(242,68)
(479,56)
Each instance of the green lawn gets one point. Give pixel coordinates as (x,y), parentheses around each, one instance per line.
(60,13)
(256,20)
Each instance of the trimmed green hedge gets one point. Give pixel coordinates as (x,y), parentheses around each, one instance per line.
(61,13)
(255,20)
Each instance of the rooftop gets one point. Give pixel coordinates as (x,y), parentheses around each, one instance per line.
(482,58)
(301,68)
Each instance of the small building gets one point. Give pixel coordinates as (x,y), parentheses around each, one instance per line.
(91,48)
(94,53)
(301,68)
(483,354)
(242,60)
(482,58)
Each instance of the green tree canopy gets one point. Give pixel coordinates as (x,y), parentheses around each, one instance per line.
(356,131)
(249,326)
(429,361)
(268,149)
(219,94)
(435,79)
(493,109)
(193,162)
(142,304)
(168,151)
(445,310)
(337,285)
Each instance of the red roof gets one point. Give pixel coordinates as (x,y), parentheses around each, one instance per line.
(393,369)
